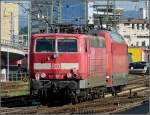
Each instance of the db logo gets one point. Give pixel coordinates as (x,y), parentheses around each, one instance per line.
(55,66)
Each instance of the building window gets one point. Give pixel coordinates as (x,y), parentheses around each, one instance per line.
(143,43)
(132,26)
(138,26)
(142,36)
(143,26)
(127,36)
(137,43)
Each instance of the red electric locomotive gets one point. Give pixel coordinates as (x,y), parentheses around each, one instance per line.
(117,60)
(76,66)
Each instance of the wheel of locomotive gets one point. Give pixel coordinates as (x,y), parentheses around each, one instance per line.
(92,96)
(43,96)
(31,88)
(114,91)
(65,96)
(74,99)
(120,89)
(79,99)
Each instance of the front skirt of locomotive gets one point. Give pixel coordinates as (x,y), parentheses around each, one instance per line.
(53,89)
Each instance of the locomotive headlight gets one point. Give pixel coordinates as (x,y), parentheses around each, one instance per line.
(107,77)
(37,76)
(74,70)
(43,75)
(55,55)
(69,75)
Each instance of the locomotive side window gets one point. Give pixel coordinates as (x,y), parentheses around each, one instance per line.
(102,42)
(67,45)
(94,41)
(116,37)
(91,41)
(45,45)
(97,42)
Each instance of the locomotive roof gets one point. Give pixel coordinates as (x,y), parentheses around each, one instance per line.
(56,34)
(94,31)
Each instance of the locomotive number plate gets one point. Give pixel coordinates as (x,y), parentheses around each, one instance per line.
(55,66)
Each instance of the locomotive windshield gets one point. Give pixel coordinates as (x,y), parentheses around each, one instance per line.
(53,45)
(67,45)
(45,45)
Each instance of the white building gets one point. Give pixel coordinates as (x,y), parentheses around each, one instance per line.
(135,32)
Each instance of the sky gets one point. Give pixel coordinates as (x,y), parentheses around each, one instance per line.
(126,5)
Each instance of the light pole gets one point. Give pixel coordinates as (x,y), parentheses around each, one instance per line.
(29,33)
(149,32)
(7,65)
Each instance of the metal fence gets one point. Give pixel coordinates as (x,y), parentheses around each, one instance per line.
(15,76)
(17,84)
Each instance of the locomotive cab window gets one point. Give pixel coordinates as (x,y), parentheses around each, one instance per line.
(102,42)
(116,37)
(97,42)
(45,45)
(67,45)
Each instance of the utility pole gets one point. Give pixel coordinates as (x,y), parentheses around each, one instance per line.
(0,64)
(59,11)
(7,65)
(86,12)
(47,17)
(149,32)
(51,14)
(107,14)
(29,33)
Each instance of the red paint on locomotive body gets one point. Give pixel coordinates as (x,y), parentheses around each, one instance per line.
(117,56)
(64,63)
(88,63)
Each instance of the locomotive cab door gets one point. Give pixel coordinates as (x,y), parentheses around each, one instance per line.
(87,52)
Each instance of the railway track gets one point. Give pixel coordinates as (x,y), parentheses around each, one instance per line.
(90,107)
(24,100)
(100,105)
(97,106)
(139,80)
